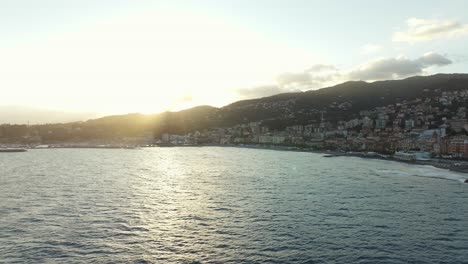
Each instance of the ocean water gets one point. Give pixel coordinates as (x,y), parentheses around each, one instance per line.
(226,205)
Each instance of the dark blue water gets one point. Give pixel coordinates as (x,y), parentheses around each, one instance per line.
(226,205)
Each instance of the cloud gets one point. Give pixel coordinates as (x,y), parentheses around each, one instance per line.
(400,67)
(321,67)
(371,48)
(422,29)
(316,76)
(302,78)
(434,59)
(262,91)
(322,75)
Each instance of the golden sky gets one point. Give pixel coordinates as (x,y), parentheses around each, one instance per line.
(113,57)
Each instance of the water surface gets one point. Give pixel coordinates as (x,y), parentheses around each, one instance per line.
(226,205)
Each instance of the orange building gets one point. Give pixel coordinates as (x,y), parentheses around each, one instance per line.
(459,146)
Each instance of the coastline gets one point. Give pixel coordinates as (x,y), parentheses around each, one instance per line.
(437,163)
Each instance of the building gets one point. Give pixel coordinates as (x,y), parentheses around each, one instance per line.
(458,125)
(380,123)
(409,124)
(458,147)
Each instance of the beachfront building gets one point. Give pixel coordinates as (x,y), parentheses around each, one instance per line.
(458,147)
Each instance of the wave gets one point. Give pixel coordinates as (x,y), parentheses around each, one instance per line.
(427,172)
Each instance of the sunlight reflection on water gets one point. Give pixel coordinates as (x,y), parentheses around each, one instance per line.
(226,205)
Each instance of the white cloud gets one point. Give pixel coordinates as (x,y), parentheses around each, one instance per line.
(433,59)
(422,29)
(321,68)
(394,68)
(323,75)
(316,76)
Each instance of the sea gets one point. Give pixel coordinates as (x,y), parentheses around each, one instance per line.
(226,205)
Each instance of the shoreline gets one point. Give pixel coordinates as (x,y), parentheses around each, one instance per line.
(437,163)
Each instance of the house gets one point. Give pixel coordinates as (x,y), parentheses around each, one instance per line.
(458,147)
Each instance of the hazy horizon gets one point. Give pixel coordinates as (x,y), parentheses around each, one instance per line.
(95,59)
(20,114)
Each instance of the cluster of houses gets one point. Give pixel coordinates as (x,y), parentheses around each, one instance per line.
(436,125)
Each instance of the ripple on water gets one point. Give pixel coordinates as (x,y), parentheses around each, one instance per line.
(227,205)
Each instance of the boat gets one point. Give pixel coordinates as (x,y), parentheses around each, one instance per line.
(466,181)
(13,150)
(328,156)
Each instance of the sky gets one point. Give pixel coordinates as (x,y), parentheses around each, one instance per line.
(112,57)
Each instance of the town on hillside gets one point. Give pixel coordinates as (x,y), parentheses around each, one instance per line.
(408,126)
(428,126)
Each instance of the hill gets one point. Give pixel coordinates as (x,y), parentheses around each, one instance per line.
(340,102)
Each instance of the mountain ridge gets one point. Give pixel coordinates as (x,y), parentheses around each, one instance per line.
(339,102)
